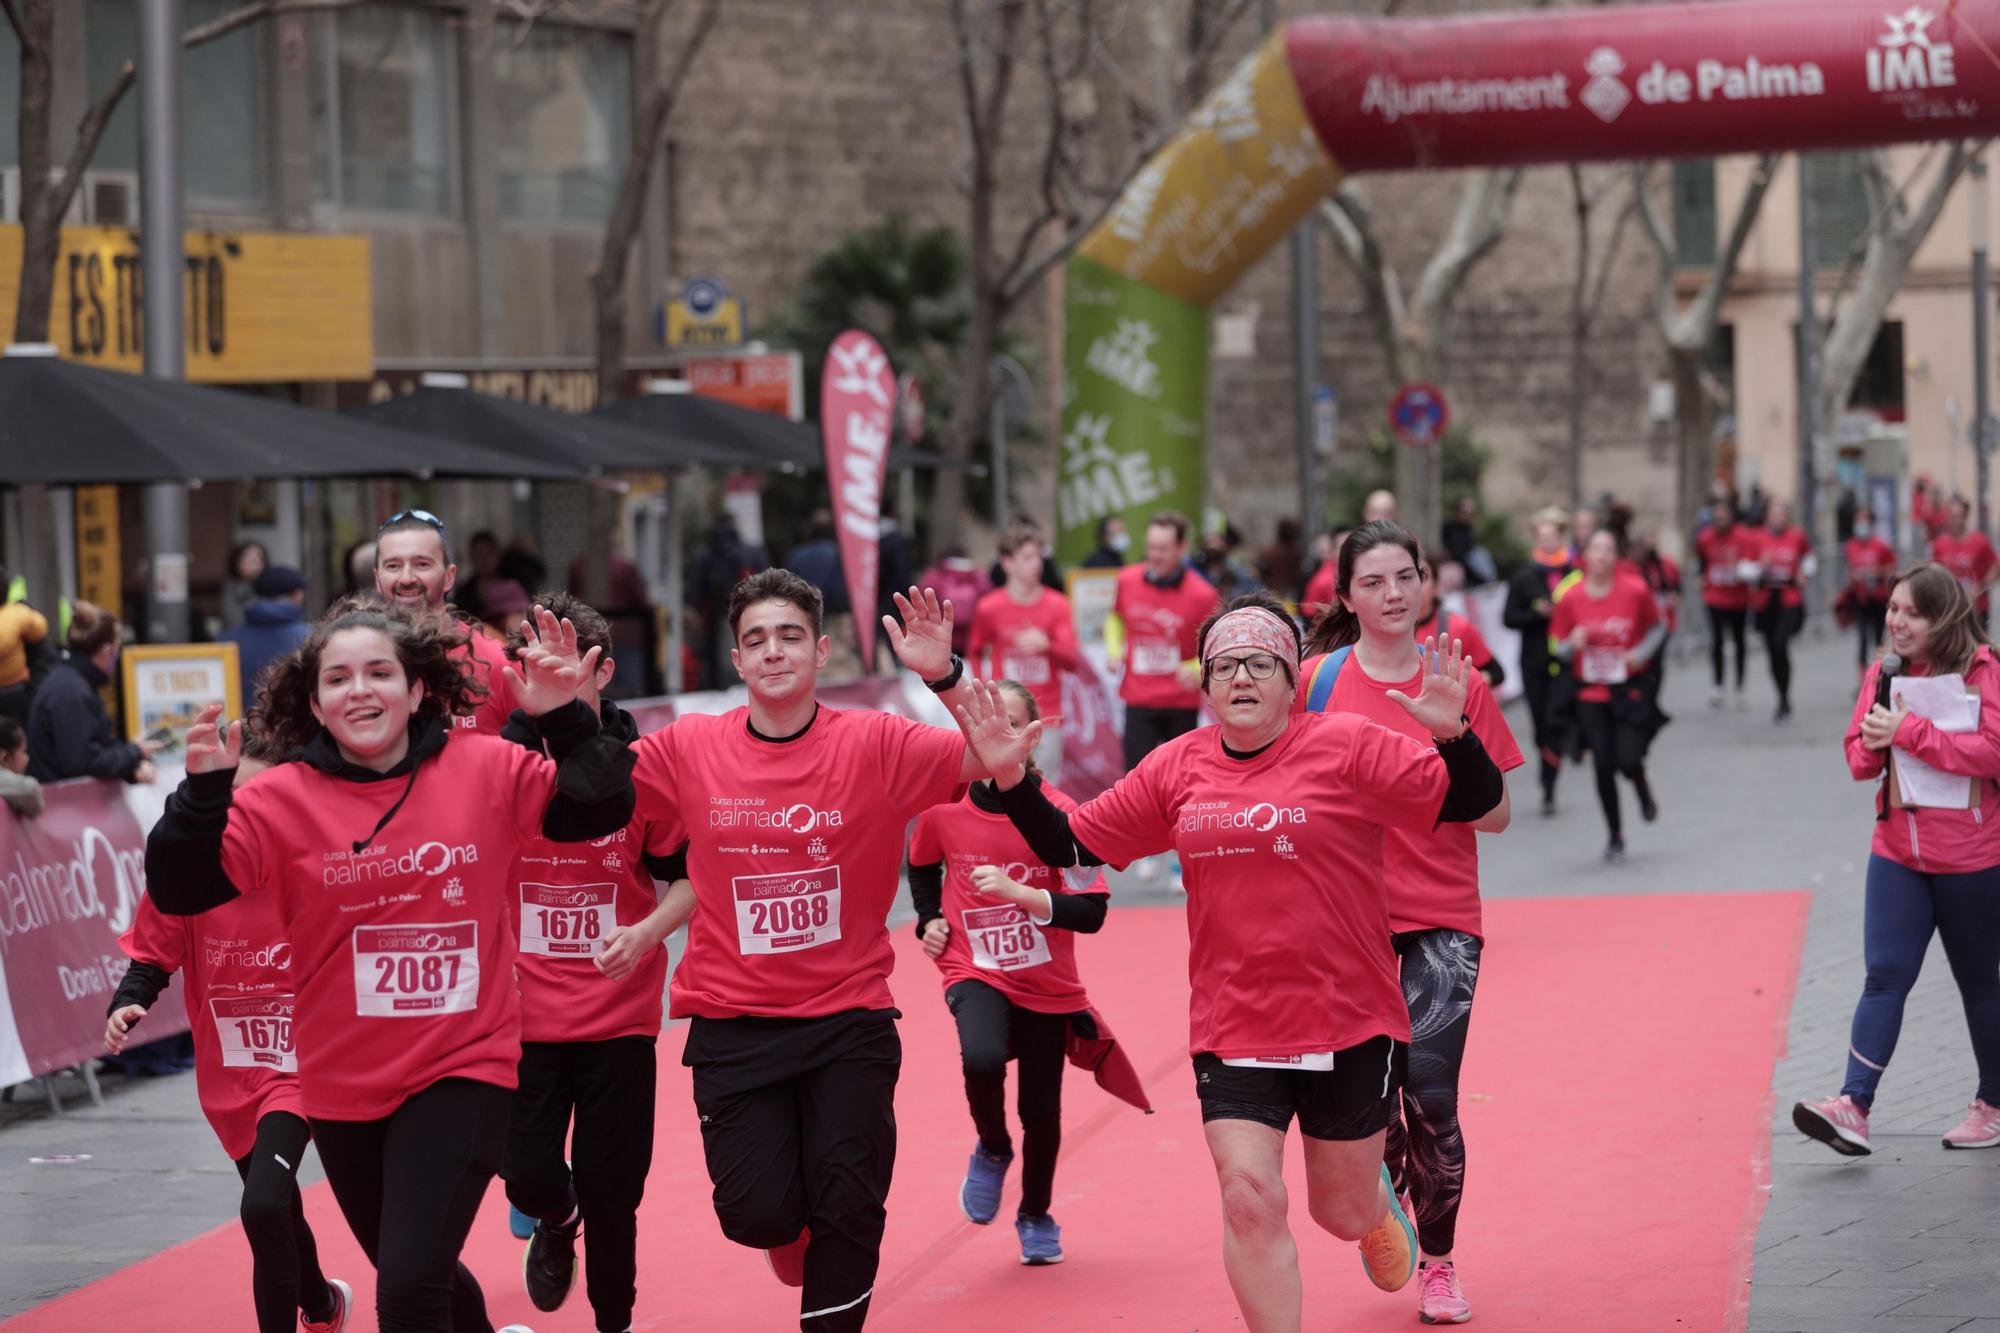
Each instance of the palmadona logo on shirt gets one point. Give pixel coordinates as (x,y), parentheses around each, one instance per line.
(430,858)
(799,818)
(1262,817)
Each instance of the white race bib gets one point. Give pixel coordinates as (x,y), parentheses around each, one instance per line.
(1155,658)
(1004,939)
(416,971)
(789,912)
(1316,1062)
(1749,570)
(567,920)
(1722,576)
(1603,666)
(1027,668)
(255,1032)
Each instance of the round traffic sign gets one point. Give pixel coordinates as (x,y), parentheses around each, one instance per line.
(1418,414)
(703,295)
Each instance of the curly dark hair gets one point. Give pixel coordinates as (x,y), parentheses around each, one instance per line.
(1259,600)
(425,641)
(592,631)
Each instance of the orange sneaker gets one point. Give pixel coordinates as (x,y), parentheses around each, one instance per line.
(1389,1252)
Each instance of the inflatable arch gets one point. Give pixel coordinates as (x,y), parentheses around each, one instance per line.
(1325,97)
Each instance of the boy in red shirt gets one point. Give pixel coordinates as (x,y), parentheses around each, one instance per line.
(1730,570)
(1154,614)
(414,570)
(1968,555)
(794,816)
(1024,632)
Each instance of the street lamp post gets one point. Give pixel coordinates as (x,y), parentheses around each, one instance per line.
(162,270)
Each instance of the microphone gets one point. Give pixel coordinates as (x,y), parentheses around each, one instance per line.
(1892,666)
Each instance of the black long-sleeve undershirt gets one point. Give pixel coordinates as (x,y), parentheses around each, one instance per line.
(141,985)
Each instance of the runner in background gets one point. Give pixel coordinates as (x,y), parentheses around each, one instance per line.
(1663,576)
(389,845)
(1002,928)
(1434,621)
(1319,588)
(1788,562)
(1931,869)
(414,571)
(1871,569)
(1151,628)
(1969,556)
(1729,553)
(1607,631)
(592,972)
(1296,1010)
(795,816)
(1432,878)
(1530,603)
(1022,631)
(239,999)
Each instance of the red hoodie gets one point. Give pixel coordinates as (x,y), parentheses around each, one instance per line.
(1937,841)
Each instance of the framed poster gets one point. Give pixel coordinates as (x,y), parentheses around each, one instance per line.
(168,684)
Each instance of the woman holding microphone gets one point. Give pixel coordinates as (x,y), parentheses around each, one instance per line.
(1930,869)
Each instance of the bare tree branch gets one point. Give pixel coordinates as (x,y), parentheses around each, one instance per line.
(14,22)
(1663,248)
(1204,44)
(1347,216)
(1478,225)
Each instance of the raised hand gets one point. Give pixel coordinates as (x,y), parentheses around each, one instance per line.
(1440,704)
(922,641)
(983,717)
(552,672)
(212,748)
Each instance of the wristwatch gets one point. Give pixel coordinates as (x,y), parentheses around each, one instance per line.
(950,678)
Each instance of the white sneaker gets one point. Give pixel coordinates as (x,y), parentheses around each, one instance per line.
(514,1328)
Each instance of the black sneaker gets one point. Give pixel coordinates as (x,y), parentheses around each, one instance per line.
(1548,807)
(548,1265)
(1614,851)
(1649,809)
(1784,711)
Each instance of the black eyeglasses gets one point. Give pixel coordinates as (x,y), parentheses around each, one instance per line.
(1261,667)
(421,515)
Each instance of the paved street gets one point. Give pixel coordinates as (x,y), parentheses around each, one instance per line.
(1900,1241)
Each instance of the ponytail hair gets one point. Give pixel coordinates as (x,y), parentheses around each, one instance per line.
(1337,627)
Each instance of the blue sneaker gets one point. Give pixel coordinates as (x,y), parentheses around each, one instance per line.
(519,1223)
(1041,1240)
(979,1196)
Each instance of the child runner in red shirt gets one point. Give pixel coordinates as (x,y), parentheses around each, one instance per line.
(1432,879)
(1295,1007)
(1027,632)
(1002,928)
(1606,631)
(591,973)
(794,816)
(1729,553)
(238,967)
(389,846)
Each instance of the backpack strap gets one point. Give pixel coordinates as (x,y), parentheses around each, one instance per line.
(1323,677)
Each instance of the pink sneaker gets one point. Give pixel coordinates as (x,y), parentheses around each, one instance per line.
(1439,1300)
(1838,1122)
(1979,1129)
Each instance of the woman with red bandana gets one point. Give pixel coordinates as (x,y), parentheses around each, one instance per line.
(1295,1008)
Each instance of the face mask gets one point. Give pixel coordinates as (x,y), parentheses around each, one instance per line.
(1120,542)
(1861,531)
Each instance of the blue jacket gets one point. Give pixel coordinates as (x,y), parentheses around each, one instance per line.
(69,731)
(269,631)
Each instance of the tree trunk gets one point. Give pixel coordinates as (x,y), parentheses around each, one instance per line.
(1419,467)
(969,410)
(41,237)
(1694,419)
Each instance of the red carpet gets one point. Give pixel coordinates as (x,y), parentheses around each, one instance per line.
(1616,1110)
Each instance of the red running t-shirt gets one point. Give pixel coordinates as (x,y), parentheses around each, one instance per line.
(996,942)
(1432,875)
(996,625)
(567,896)
(795,849)
(1871,569)
(485,660)
(238,972)
(1319,589)
(1784,557)
(1724,584)
(1160,625)
(403,952)
(1288,926)
(1615,624)
(1457,627)
(1970,558)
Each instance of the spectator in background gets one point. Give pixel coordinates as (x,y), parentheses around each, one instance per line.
(1379,507)
(273,625)
(21,628)
(69,731)
(893,569)
(720,565)
(239,587)
(482,553)
(1113,541)
(1219,566)
(21,792)
(1462,545)
(956,579)
(1319,588)
(522,563)
(1282,566)
(506,607)
(817,561)
(626,593)
(359,566)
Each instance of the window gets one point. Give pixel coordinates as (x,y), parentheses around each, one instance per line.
(1840,206)
(565,97)
(223,103)
(1694,212)
(383,123)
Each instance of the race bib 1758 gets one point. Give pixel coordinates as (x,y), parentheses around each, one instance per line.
(414,971)
(1004,939)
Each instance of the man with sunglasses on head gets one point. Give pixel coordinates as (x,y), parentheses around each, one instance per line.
(413,570)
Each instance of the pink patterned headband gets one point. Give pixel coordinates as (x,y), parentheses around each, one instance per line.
(1256,628)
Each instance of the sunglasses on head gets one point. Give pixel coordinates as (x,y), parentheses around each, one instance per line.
(421,515)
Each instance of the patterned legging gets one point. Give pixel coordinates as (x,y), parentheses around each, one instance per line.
(1425,1150)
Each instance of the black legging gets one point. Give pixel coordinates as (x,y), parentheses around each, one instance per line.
(989,1027)
(1869,618)
(1616,747)
(1535,687)
(1425,1149)
(285,1276)
(1736,621)
(409,1185)
(1778,625)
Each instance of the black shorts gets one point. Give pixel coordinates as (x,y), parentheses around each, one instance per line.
(1355,1098)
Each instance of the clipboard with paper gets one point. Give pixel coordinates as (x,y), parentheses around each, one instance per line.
(1951,707)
